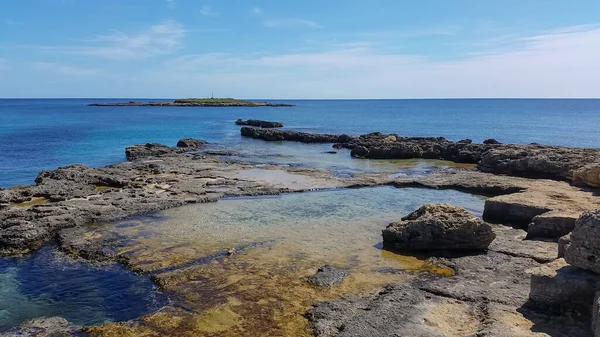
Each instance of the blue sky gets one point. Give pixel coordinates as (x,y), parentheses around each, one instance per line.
(300,49)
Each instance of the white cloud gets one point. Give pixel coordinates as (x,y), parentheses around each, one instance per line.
(159,39)
(3,64)
(557,64)
(65,70)
(208,11)
(257,11)
(290,23)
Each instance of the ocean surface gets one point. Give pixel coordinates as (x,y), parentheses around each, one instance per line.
(38,134)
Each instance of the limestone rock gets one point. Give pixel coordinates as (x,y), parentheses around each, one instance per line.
(439,227)
(552,225)
(562,288)
(588,175)
(328,276)
(137,152)
(191,143)
(584,249)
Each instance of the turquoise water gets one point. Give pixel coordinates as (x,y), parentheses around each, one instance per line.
(47,283)
(43,134)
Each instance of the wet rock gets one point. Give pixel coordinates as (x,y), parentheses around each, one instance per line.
(287,135)
(44,327)
(97,246)
(327,276)
(584,249)
(552,225)
(259,123)
(491,141)
(438,227)
(562,288)
(191,143)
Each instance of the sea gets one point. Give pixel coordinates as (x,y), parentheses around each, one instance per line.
(42,134)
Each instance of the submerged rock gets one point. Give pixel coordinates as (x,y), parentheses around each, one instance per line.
(44,327)
(439,227)
(328,276)
(259,123)
(584,249)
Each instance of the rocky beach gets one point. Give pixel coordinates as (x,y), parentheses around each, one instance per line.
(527,265)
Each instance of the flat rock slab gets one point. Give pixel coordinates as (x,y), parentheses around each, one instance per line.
(512,241)
(44,327)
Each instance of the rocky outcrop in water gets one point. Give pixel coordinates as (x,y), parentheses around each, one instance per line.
(577,165)
(259,123)
(294,136)
(438,227)
(137,152)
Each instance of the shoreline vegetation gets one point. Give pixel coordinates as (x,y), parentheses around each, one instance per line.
(199,102)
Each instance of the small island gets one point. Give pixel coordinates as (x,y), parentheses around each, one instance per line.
(199,102)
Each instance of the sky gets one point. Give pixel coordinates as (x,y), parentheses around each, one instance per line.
(299,49)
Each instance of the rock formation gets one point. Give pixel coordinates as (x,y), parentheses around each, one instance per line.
(259,123)
(438,227)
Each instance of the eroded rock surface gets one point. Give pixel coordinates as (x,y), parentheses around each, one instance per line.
(294,136)
(44,327)
(584,249)
(438,227)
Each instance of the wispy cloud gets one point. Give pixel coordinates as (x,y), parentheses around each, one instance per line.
(257,11)
(208,11)
(159,39)
(171,4)
(562,63)
(3,64)
(66,70)
(290,23)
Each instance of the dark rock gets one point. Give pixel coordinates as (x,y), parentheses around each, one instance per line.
(259,123)
(287,135)
(465,141)
(491,141)
(328,276)
(191,143)
(331,152)
(505,210)
(584,249)
(562,288)
(439,227)
(596,315)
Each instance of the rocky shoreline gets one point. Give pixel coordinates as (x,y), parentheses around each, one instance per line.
(527,269)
